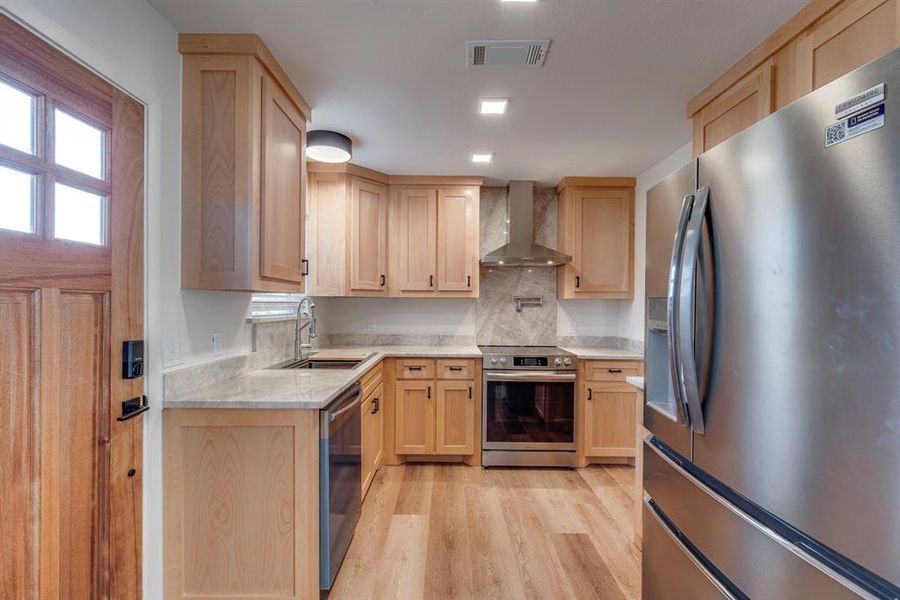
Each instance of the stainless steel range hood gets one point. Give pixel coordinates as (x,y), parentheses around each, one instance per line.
(521,251)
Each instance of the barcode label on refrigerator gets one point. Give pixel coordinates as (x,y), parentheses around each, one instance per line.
(835,133)
(868,120)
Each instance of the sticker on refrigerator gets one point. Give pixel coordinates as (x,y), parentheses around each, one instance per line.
(868,98)
(868,120)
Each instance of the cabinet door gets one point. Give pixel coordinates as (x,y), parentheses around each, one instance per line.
(372,431)
(368,236)
(857,33)
(609,419)
(604,241)
(457,239)
(326,247)
(414,425)
(743,105)
(416,246)
(455,417)
(283,187)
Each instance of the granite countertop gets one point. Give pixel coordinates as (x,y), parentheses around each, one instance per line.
(637,382)
(589,353)
(304,388)
(315,389)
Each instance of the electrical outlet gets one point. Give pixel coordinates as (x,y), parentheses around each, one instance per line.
(173,353)
(217,347)
(573,330)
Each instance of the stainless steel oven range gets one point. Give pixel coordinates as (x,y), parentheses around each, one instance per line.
(529,406)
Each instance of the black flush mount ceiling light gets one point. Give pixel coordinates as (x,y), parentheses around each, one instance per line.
(328,146)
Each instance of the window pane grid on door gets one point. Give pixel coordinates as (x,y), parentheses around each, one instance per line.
(78,145)
(17,127)
(79,216)
(17,194)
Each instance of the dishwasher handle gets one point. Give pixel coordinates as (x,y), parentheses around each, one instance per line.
(345,403)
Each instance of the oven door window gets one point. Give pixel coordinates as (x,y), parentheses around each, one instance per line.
(529,413)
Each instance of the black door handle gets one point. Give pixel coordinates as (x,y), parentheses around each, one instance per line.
(470,392)
(468,281)
(578,281)
(614,370)
(305,264)
(374,405)
(382,281)
(134,407)
(431,281)
(429,391)
(590,394)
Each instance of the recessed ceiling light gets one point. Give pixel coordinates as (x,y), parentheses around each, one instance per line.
(494,106)
(482,157)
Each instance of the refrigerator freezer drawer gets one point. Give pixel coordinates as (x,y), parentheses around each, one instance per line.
(754,559)
(669,570)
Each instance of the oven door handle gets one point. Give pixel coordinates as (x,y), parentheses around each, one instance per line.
(535,377)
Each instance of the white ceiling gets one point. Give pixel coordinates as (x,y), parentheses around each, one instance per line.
(392,75)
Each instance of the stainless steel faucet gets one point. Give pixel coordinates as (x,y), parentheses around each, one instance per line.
(310,325)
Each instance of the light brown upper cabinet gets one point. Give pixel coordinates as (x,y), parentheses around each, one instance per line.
(824,40)
(434,240)
(596,227)
(348,231)
(856,33)
(243,167)
(739,108)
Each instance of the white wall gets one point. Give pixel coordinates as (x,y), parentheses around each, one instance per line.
(127,42)
(632,316)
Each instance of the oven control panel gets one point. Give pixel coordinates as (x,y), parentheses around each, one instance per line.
(530,359)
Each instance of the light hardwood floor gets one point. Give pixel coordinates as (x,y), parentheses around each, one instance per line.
(452,531)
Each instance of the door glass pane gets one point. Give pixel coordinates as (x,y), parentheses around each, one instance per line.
(17,124)
(78,145)
(16,200)
(78,215)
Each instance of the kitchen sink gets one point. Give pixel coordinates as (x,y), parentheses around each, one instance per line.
(312,363)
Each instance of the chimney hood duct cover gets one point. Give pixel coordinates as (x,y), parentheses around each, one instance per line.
(521,251)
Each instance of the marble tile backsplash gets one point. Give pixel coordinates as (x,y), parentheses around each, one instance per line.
(497,322)
(273,342)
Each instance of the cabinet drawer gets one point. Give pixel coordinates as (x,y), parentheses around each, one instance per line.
(455,368)
(415,368)
(610,370)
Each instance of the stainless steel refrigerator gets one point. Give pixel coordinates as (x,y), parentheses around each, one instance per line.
(773,356)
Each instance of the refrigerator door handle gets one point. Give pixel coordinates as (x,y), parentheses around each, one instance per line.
(672,302)
(654,510)
(686,312)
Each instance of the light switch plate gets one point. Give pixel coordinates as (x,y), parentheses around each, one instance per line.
(173,353)
(217,347)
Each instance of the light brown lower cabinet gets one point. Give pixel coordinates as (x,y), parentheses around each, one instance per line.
(436,416)
(609,419)
(241,503)
(455,417)
(414,409)
(372,435)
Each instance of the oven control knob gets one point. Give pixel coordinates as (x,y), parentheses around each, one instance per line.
(568,362)
(502,361)
(494,360)
(558,361)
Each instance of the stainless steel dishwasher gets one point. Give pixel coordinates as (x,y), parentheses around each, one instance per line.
(340,485)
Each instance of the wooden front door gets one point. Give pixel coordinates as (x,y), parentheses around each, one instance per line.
(71,290)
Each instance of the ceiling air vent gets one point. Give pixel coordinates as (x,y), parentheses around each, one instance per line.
(507,53)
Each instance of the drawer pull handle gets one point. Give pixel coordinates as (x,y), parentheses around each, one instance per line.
(614,370)
(374,405)
(456,368)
